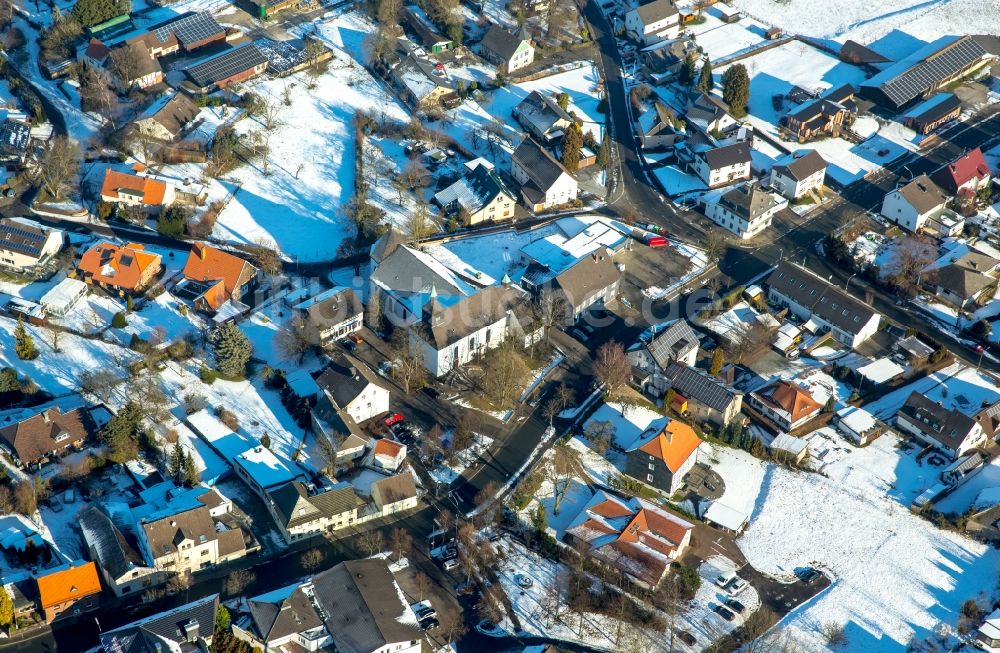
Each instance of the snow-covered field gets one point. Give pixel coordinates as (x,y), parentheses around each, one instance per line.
(885,21)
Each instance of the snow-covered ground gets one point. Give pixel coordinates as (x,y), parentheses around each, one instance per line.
(626,428)
(464,459)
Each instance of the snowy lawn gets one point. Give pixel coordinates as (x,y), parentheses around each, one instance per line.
(677,182)
(628,427)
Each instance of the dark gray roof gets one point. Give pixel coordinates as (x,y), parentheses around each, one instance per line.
(501,42)
(444,325)
(934,108)
(173,113)
(854,52)
(113,552)
(543,170)
(475,190)
(229,63)
(189,28)
(346,379)
(962,280)
(332,307)
(422,28)
(727,155)
(22,238)
(289,616)
(363,607)
(396,488)
(14,136)
(591,274)
(748,201)
(164,631)
(697,385)
(671,343)
(949,427)
(803,167)
(923,194)
(824,300)
(655,11)
(296,506)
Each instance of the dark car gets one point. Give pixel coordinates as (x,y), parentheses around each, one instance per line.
(735,606)
(725,612)
(810,576)
(686,637)
(429,623)
(348,344)
(430,392)
(425,612)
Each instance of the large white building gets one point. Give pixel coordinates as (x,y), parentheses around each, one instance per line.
(921,205)
(653,22)
(745,210)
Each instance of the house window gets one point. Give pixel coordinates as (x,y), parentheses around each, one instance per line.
(649,478)
(651,467)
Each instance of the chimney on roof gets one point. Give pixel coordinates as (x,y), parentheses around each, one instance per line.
(201,250)
(191,630)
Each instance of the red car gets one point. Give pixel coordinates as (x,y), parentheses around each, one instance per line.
(395,418)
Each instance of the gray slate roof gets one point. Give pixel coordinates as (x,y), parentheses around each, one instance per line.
(346,379)
(923,194)
(278,619)
(672,343)
(363,608)
(653,12)
(697,385)
(165,631)
(474,191)
(824,300)
(501,42)
(802,167)
(114,554)
(748,201)
(949,427)
(296,506)
(727,155)
(587,276)
(543,170)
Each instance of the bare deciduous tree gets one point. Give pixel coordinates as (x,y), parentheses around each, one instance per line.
(613,370)
(401,542)
(59,163)
(312,559)
(561,469)
(129,63)
(238,580)
(372,541)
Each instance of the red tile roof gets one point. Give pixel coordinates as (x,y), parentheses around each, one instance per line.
(152,190)
(673,445)
(206,263)
(972,165)
(120,266)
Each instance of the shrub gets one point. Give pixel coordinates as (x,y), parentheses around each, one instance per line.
(119,321)
(228,418)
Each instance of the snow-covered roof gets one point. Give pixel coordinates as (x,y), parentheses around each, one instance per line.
(856,419)
(987,498)
(265,468)
(991,625)
(881,370)
(64,293)
(790,444)
(725,516)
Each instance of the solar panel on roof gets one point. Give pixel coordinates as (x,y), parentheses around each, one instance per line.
(227,64)
(932,71)
(189,29)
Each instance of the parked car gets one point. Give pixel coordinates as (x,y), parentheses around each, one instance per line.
(725,578)
(735,606)
(429,623)
(449,564)
(736,586)
(430,392)
(424,611)
(393,419)
(686,637)
(810,576)
(724,612)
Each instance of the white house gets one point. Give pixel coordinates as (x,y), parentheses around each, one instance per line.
(123,568)
(653,22)
(745,210)
(25,244)
(809,297)
(921,204)
(62,298)
(188,541)
(387,456)
(331,315)
(394,494)
(800,176)
(721,166)
(354,389)
(508,51)
(545,183)
(651,357)
(300,513)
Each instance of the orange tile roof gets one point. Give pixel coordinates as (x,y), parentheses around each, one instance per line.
(152,190)
(611,509)
(121,266)
(388,448)
(673,445)
(206,263)
(68,585)
(796,401)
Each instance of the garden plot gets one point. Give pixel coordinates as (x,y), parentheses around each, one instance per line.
(721,40)
(299,202)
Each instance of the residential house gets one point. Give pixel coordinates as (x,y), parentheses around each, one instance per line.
(350,450)
(353,389)
(745,210)
(217,282)
(25,244)
(301,513)
(508,51)
(709,114)
(331,315)
(75,589)
(478,196)
(229,67)
(421,83)
(405,280)
(285,620)
(823,116)
(132,65)
(127,269)
(590,283)
(653,22)
(955,416)
(454,330)
(933,112)
(723,165)
(47,434)
(967,282)
(542,117)
(662,457)
(649,358)
(656,127)
(785,403)
(166,118)
(968,173)
(263,471)
(799,177)
(709,399)
(137,190)
(858,425)
(63,297)
(921,205)
(545,183)
(635,536)
(186,629)
(387,456)
(121,565)
(811,297)
(418,23)
(185,33)
(364,610)
(188,541)
(789,449)
(395,493)
(988,634)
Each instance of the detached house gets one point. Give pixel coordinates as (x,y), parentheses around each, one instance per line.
(387,456)
(785,403)
(810,297)
(394,494)
(677,342)
(300,513)
(353,389)
(141,71)
(166,118)
(709,114)
(967,282)
(217,282)
(545,183)
(508,51)
(591,282)
(542,117)
(823,116)
(721,166)
(123,568)
(653,22)
(708,398)
(922,205)
(25,244)
(285,620)
(968,173)
(637,537)
(48,434)
(663,456)
(802,175)
(188,541)
(127,269)
(76,589)
(137,189)
(480,196)
(745,210)
(331,315)
(186,629)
